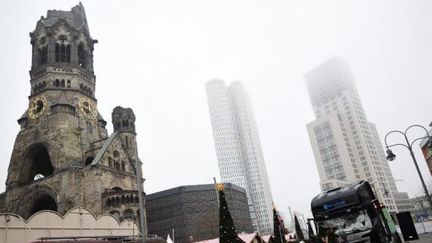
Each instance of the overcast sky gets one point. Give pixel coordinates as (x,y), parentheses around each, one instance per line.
(156,56)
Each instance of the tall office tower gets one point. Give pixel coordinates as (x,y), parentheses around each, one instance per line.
(346,146)
(238,149)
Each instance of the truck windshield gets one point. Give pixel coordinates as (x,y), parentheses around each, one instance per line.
(347,223)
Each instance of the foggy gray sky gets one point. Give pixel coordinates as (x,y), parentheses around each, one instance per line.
(155,57)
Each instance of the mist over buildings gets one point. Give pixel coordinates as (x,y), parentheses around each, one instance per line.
(157,57)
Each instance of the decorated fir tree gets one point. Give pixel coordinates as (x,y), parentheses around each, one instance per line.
(227,232)
(278,235)
(310,230)
(298,229)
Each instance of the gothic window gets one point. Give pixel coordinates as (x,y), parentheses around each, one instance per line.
(68,83)
(85,89)
(39,86)
(62,50)
(82,62)
(116,160)
(110,161)
(57,83)
(115,153)
(63,83)
(43,55)
(43,51)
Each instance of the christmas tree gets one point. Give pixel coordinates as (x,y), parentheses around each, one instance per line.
(278,236)
(227,232)
(298,229)
(310,231)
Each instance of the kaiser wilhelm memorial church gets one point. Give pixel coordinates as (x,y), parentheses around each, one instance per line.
(63,155)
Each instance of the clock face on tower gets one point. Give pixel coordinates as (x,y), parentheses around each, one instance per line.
(37,107)
(87,107)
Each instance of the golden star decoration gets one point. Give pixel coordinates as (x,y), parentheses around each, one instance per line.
(220,186)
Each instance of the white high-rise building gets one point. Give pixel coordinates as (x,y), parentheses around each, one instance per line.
(238,149)
(346,145)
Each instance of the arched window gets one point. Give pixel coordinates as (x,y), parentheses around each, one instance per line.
(123,167)
(37,164)
(43,54)
(62,53)
(62,50)
(115,153)
(128,214)
(82,60)
(43,51)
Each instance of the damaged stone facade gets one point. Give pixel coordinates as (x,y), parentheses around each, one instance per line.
(63,155)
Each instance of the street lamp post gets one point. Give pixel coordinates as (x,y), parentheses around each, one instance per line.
(391,156)
(423,211)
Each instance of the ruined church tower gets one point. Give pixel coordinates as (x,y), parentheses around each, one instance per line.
(63,155)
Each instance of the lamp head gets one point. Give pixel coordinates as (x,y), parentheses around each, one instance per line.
(390,155)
